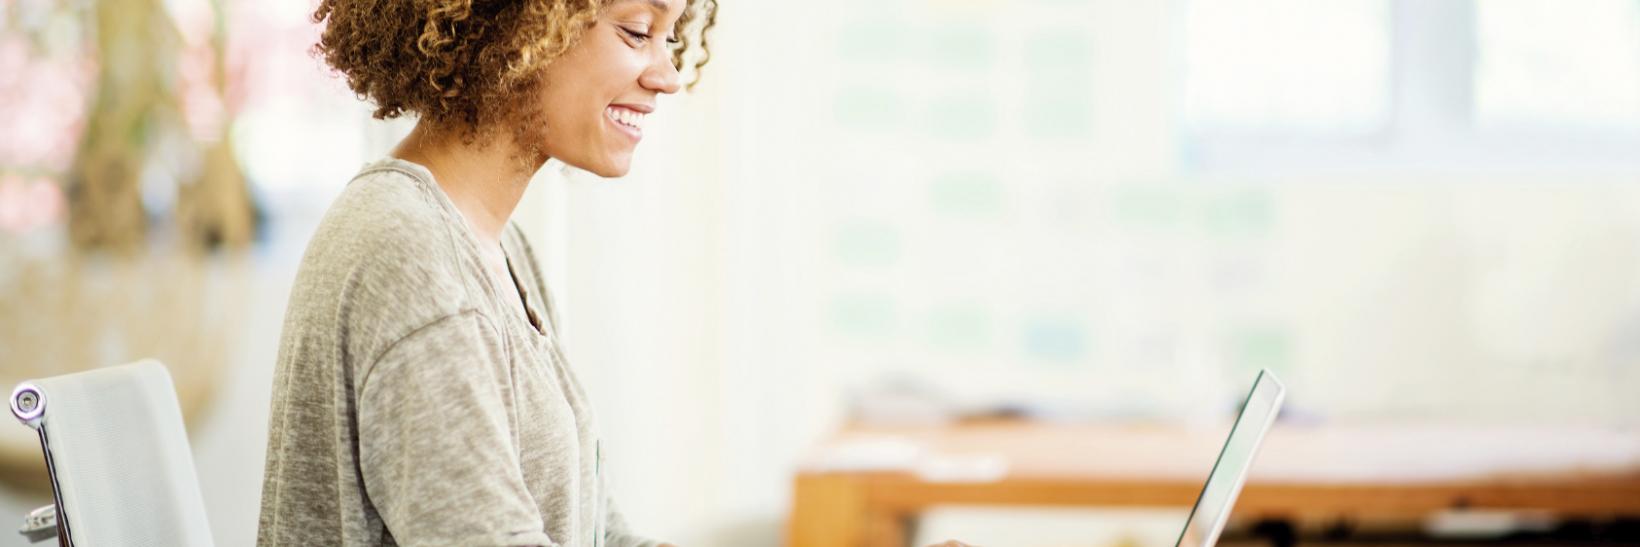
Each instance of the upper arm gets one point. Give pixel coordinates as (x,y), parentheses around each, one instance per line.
(436,447)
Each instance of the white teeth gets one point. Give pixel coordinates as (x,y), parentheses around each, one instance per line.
(627,117)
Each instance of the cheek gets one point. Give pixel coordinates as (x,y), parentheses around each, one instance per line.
(579,86)
(577,104)
(612,69)
(563,114)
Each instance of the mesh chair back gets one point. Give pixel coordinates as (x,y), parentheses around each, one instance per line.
(121,469)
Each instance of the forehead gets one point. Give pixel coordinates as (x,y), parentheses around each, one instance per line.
(663,7)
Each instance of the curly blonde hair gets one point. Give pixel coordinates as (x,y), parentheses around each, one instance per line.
(445,60)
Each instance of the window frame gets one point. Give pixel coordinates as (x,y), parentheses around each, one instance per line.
(1429,123)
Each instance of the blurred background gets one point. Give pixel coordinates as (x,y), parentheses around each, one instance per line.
(877,226)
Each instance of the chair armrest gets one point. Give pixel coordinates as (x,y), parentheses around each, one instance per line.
(40,524)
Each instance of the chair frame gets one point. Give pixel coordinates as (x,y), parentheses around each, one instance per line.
(28,404)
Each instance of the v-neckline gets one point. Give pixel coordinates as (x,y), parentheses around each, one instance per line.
(530,317)
(425,176)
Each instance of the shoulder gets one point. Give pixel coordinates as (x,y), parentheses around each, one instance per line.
(387,259)
(389,209)
(390,227)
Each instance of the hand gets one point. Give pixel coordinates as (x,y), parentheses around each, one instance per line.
(951,543)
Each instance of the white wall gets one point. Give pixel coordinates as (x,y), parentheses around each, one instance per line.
(695,292)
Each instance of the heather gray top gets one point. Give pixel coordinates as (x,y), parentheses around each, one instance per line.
(415,402)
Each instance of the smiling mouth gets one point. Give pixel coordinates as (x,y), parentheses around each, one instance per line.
(627,119)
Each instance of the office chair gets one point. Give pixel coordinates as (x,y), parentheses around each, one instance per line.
(117,451)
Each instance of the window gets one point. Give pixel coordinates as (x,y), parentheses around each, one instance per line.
(1244,71)
(1280,85)
(1549,63)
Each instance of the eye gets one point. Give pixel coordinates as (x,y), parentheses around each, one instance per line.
(636,36)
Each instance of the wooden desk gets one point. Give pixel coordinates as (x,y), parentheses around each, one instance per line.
(864,486)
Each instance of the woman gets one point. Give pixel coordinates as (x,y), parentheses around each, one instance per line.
(420,397)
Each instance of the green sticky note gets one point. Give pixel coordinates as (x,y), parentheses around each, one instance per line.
(1057,115)
(967,115)
(971,194)
(1240,212)
(866,243)
(862,316)
(960,327)
(1253,348)
(867,42)
(1058,84)
(1148,207)
(868,108)
(1058,50)
(962,48)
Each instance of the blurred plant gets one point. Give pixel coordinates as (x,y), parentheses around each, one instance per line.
(117,112)
(135,46)
(157,119)
(215,207)
(41,116)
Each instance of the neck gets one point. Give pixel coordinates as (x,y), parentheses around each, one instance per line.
(484,178)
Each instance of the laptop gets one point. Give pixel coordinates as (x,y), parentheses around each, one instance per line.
(1212,507)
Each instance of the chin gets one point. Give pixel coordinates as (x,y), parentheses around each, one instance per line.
(612,170)
(608,168)
(612,166)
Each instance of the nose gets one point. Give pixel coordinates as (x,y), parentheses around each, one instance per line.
(661,76)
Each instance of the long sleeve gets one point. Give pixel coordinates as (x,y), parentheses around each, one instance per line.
(438,453)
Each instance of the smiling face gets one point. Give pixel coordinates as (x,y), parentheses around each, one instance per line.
(592,100)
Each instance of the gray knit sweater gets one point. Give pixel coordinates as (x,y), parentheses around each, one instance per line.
(413,403)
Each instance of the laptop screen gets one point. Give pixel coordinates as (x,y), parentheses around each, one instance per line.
(1212,509)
